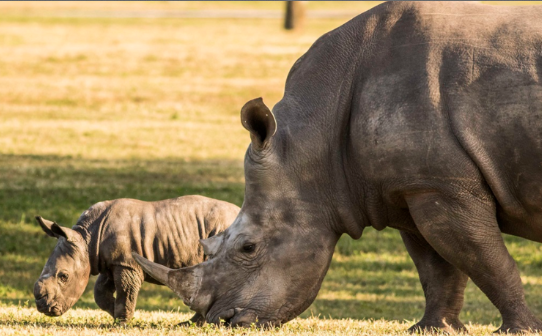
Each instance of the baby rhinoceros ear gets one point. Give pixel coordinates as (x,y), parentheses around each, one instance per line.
(46,226)
(211,245)
(65,232)
(54,230)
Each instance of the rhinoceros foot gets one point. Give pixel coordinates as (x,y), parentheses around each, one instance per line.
(531,325)
(448,326)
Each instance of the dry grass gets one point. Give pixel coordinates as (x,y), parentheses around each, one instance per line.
(50,7)
(145,89)
(97,108)
(24,321)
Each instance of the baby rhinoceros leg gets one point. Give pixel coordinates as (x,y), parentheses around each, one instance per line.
(127,284)
(104,294)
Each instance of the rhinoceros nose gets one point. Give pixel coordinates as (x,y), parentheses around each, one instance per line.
(41,295)
(42,305)
(41,302)
(41,298)
(39,290)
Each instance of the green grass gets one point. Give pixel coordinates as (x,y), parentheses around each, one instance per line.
(95,109)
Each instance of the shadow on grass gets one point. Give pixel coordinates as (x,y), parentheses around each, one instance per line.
(61,187)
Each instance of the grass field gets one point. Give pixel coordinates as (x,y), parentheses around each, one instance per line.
(96,108)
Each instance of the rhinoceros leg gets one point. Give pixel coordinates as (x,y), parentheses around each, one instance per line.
(443,285)
(104,294)
(463,229)
(127,283)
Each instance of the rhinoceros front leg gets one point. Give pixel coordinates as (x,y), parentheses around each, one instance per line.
(443,285)
(127,283)
(463,229)
(104,294)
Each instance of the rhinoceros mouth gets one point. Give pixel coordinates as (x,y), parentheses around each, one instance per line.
(54,311)
(49,310)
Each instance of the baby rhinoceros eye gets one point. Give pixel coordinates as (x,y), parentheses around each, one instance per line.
(248,247)
(63,277)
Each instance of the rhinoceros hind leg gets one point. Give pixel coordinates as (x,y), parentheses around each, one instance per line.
(443,285)
(197,320)
(522,325)
(463,229)
(104,294)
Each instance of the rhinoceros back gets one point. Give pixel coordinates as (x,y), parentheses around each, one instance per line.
(180,224)
(166,232)
(417,95)
(482,71)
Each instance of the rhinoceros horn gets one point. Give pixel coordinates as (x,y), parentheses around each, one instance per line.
(183,281)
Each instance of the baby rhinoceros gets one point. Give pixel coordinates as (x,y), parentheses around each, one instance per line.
(166,232)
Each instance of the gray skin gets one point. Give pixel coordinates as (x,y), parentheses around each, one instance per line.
(103,239)
(423,117)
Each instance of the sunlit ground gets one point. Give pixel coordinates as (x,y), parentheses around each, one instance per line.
(100,108)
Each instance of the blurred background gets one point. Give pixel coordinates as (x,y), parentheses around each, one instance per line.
(103,100)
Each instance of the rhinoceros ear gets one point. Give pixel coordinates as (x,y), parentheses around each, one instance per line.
(259,121)
(65,232)
(46,226)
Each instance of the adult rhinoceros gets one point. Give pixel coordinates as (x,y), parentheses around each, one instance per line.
(423,117)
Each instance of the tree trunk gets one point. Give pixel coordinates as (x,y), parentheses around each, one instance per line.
(295,14)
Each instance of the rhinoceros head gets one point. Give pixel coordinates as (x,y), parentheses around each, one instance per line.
(267,267)
(66,273)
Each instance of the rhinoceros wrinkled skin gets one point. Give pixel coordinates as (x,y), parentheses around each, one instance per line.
(423,117)
(103,239)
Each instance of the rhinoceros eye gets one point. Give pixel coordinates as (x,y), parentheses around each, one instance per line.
(63,277)
(247,248)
